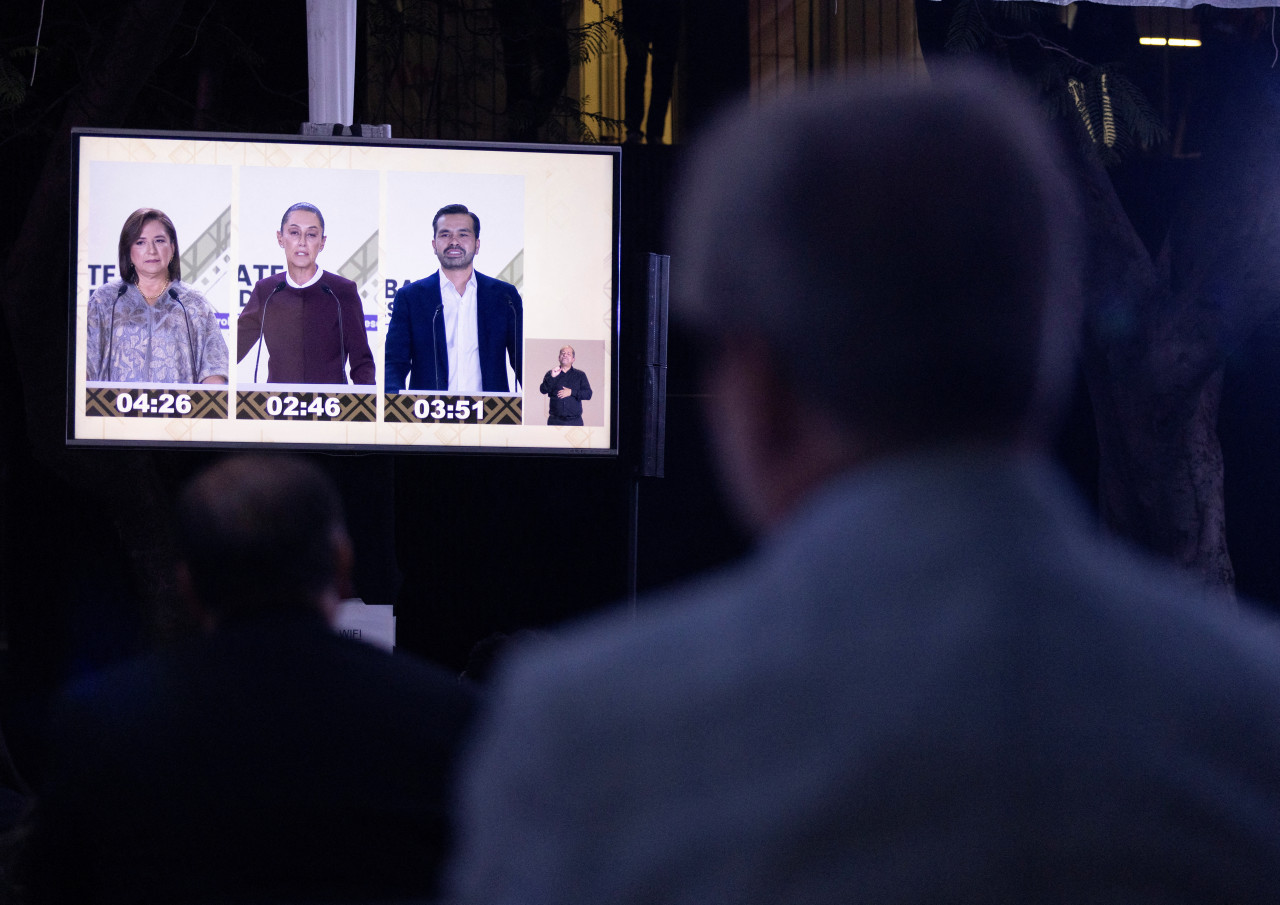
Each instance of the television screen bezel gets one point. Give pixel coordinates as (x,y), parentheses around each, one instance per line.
(614,337)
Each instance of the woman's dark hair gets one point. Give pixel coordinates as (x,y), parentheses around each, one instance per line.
(129,233)
(302,206)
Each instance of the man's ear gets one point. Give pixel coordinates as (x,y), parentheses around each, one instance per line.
(343,586)
(774,445)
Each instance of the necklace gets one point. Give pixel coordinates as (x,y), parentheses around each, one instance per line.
(150,299)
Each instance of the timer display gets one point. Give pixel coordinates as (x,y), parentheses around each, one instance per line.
(413,408)
(156,402)
(162,405)
(449,409)
(297,405)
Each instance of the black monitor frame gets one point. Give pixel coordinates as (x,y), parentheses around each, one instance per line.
(567,269)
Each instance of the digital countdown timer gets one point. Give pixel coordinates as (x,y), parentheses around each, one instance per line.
(162,404)
(156,402)
(293,407)
(265,405)
(408,408)
(455,409)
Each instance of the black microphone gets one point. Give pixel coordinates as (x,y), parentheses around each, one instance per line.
(111,331)
(435,350)
(262,326)
(342,336)
(516,351)
(191,340)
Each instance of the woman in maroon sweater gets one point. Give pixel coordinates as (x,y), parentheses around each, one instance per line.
(311,320)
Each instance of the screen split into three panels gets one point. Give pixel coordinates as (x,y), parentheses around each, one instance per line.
(465,367)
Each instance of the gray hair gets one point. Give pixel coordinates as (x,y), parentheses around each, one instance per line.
(906,248)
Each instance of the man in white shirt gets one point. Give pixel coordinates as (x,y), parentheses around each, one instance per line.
(457,330)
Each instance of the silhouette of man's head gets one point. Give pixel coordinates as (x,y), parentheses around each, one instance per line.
(263,534)
(883,266)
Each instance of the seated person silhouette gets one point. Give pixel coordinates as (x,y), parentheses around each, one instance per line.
(269,758)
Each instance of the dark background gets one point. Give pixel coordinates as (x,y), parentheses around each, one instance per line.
(446,538)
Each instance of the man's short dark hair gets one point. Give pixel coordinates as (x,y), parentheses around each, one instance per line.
(456,209)
(905,248)
(259,533)
(302,206)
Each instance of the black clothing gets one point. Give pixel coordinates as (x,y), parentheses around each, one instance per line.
(270,760)
(569,409)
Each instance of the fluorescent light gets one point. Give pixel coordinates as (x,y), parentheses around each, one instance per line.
(1171,42)
(1157,42)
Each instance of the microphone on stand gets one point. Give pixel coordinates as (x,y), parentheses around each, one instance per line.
(262,326)
(435,351)
(342,334)
(111,331)
(191,341)
(516,351)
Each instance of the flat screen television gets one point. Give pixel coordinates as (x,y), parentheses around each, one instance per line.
(549,227)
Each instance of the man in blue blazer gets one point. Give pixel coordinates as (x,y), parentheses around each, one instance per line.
(459,333)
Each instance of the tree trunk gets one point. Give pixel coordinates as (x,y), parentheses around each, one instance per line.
(1156,338)
(1157,332)
(1160,475)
